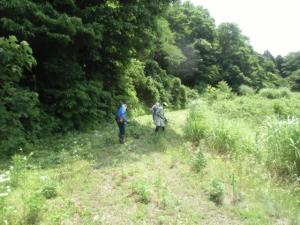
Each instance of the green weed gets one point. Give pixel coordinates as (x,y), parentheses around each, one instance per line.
(49,190)
(143,191)
(199,162)
(33,207)
(217,189)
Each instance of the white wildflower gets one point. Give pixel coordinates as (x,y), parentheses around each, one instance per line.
(96,218)
(3,194)
(44,178)
(1,178)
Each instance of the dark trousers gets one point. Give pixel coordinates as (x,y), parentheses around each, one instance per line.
(122,127)
(158,127)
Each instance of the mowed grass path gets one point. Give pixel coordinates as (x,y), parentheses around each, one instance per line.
(147,181)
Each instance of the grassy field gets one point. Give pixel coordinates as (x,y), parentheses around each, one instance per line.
(210,166)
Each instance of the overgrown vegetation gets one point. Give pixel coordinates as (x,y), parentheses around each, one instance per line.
(255,131)
(77,61)
(250,125)
(65,67)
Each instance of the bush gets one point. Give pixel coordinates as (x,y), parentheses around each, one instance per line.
(275,93)
(294,80)
(49,190)
(281,108)
(223,87)
(246,90)
(18,106)
(222,91)
(285,92)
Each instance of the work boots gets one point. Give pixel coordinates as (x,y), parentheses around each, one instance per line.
(122,139)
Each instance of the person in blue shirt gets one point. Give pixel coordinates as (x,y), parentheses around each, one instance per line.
(121,119)
(154,110)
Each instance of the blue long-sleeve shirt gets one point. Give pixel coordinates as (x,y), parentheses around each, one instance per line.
(122,113)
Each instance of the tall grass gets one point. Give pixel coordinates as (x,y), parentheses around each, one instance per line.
(198,123)
(262,135)
(220,134)
(243,126)
(283,145)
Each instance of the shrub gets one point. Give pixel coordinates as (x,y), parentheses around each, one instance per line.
(18,106)
(49,190)
(246,90)
(222,91)
(223,87)
(280,108)
(269,93)
(294,80)
(285,92)
(275,93)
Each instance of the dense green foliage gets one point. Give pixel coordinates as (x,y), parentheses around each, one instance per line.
(18,106)
(90,57)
